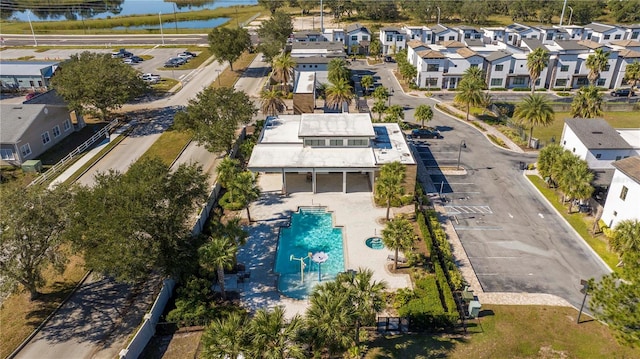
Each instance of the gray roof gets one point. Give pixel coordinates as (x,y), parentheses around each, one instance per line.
(326,45)
(466,27)
(16,119)
(50,97)
(517,27)
(28,68)
(533,43)
(439,28)
(497,55)
(600,27)
(630,167)
(357,26)
(597,134)
(473,42)
(570,45)
(390,28)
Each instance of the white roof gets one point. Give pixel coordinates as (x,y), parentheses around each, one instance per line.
(336,124)
(306,82)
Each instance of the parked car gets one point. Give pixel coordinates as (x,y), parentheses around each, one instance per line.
(137,59)
(185,55)
(425,133)
(192,54)
(128,61)
(389,59)
(171,64)
(150,76)
(622,92)
(178,60)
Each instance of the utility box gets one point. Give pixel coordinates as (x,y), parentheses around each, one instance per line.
(32,166)
(474,309)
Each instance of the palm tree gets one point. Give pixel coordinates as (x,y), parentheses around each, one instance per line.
(596,63)
(366,82)
(379,107)
(469,93)
(534,111)
(338,70)
(330,318)
(537,60)
(381,93)
(227,171)
(272,337)
(587,103)
(218,253)
(226,338)
(244,190)
(395,113)
(339,93)
(632,74)
(232,230)
(547,159)
(626,238)
(398,234)
(389,184)
(374,48)
(283,66)
(475,74)
(271,102)
(423,113)
(575,179)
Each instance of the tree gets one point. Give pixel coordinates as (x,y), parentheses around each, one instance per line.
(388,186)
(241,192)
(97,83)
(381,93)
(423,114)
(596,63)
(283,66)
(587,103)
(632,74)
(129,224)
(533,111)
(271,5)
(330,318)
(547,159)
(32,226)
(271,102)
(272,337)
(228,44)
(227,171)
(408,71)
(537,60)
(398,235)
(626,237)
(476,75)
(614,300)
(214,116)
(219,253)
(226,338)
(575,182)
(374,48)
(366,82)
(395,113)
(338,70)
(469,93)
(277,29)
(339,93)
(379,107)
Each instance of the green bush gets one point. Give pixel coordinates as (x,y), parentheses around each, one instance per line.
(563,89)
(498,89)
(194,304)
(445,291)
(541,90)
(497,141)
(225,202)
(424,230)
(521,89)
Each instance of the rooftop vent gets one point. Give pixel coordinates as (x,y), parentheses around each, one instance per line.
(597,132)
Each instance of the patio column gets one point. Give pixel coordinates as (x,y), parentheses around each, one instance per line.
(344,181)
(313,180)
(372,178)
(284,182)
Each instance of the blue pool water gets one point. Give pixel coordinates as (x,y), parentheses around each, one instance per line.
(311,231)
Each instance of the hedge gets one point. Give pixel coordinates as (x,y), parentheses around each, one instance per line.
(445,291)
(425,233)
(426,312)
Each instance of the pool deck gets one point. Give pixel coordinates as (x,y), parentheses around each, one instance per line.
(355,212)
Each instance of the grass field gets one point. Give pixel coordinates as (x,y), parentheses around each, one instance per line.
(616,119)
(511,332)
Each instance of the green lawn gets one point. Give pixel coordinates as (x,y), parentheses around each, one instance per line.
(511,332)
(622,119)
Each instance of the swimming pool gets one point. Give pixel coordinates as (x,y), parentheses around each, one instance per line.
(311,231)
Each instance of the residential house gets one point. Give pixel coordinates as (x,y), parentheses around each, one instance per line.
(308,36)
(548,34)
(27,75)
(564,63)
(28,130)
(419,33)
(358,39)
(441,33)
(603,33)
(516,32)
(456,65)
(624,194)
(335,35)
(582,70)
(468,33)
(574,32)
(498,66)
(392,40)
(413,47)
(321,49)
(632,32)
(626,56)
(430,68)
(494,35)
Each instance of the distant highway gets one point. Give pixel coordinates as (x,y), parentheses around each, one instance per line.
(108,40)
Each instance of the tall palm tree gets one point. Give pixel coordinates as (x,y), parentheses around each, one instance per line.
(587,103)
(226,337)
(330,318)
(576,183)
(272,337)
(339,93)
(596,63)
(244,190)
(388,186)
(271,102)
(381,93)
(475,74)
(283,66)
(626,237)
(227,171)
(218,253)
(537,60)
(338,70)
(632,74)
(398,234)
(366,81)
(232,230)
(547,159)
(395,113)
(379,107)
(534,111)
(423,113)
(470,94)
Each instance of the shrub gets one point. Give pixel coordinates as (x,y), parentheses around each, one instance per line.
(563,89)
(541,90)
(497,140)
(498,89)
(445,291)
(521,89)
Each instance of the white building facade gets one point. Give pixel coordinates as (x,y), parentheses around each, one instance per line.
(623,199)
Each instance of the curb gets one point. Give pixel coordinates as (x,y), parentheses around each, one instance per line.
(46,320)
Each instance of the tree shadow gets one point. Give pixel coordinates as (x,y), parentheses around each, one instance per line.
(413,345)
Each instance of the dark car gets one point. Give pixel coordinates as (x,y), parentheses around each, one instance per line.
(136,59)
(622,92)
(389,59)
(171,64)
(425,133)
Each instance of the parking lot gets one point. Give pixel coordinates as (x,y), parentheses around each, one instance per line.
(154,65)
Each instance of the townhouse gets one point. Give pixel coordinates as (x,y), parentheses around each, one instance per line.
(357,39)
(392,40)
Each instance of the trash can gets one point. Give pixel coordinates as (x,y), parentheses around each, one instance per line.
(474,309)
(32,166)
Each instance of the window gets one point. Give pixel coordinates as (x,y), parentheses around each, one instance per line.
(365,37)
(510,37)
(598,155)
(389,38)
(45,137)
(310,142)
(474,65)
(623,193)
(429,37)
(432,67)
(499,67)
(518,81)
(357,142)
(635,35)
(354,38)
(432,82)
(40,83)
(618,158)
(582,81)
(496,82)
(589,36)
(564,68)
(56,131)
(25,150)
(601,82)
(399,38)
(66,125)
(451,38)
(617,37)
(336,143)
(7,154)
(440,38)
(550,36)
(561,82)
(32,84)
(467,36)
(607,37)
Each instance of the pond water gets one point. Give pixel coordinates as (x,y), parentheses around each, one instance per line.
(100,9)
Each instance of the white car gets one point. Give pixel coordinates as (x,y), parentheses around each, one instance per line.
(184,55)
(150,76)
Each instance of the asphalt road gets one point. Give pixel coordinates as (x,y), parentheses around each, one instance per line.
(515,241)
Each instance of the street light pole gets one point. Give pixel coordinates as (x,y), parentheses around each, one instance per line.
(438,14)
(218,71)
(161,32)
(570,15)
(585,290)
(462,144)
(564,7)
(31,26)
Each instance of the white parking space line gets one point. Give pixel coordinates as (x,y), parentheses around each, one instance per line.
(510,215)
(468,209)
(540,214)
